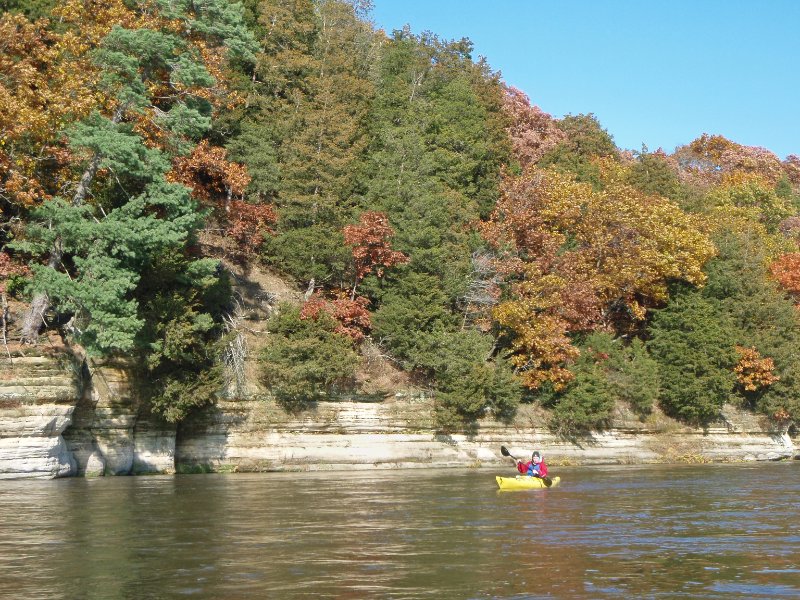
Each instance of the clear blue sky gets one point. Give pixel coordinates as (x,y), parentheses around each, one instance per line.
(658,72)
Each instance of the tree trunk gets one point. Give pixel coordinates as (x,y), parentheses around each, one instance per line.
(34,318)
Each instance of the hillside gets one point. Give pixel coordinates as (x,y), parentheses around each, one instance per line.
(277,194)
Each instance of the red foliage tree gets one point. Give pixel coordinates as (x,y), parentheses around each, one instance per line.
(372,249)
(248,223)
(9,268)
(532,131)
(216,181)
(351,314)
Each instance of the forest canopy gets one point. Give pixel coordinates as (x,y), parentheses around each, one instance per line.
(492,252)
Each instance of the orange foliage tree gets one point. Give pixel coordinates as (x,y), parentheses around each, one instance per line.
(752,371)
(786,271)
(578,260)
(709,157)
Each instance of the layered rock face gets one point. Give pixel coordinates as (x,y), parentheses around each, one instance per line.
(37,399)
(259,436)
(62,416)
(110,434)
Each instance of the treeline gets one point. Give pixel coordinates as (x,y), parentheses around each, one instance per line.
(494,253)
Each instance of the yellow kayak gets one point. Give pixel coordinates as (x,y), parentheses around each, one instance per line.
(524,482)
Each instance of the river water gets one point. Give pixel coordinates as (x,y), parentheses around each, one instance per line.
(720,531)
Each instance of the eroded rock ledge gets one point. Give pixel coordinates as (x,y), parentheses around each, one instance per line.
(61,415)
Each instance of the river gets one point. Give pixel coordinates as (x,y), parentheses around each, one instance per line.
(710,531)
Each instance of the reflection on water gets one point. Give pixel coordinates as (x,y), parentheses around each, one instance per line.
(722,531)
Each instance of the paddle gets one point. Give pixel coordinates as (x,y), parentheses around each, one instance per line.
(546,480)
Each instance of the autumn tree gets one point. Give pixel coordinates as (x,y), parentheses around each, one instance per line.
(786,271)
(532,131)
(710,157)
(754,372)
(350,313)
(576,259)
(371,246)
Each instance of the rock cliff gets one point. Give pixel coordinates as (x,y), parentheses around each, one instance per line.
(38,393)
(61,415)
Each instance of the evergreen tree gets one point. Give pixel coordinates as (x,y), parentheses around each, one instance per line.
(305,130)
(762,316)
(586,140)
(305,360)
(692,339)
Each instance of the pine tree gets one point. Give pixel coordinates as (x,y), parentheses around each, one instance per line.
(100,244)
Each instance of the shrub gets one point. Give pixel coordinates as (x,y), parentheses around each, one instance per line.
(305,359)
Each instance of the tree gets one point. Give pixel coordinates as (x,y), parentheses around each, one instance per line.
(692,339)
(371,247)
(154,81)
(763,317)
(181,302)
(305,130)
(412,308)
(585,404)
(586,141)
(305,360)
(576,259)
(631,372)
(533,132)
(752,197)
(351,314)
(710,157)
(655,173)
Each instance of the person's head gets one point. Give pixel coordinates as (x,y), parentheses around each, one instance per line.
(536,457)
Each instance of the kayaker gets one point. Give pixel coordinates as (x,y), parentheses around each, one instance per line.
(536,467)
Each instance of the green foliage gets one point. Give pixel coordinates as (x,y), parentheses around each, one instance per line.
(412,308)
(120,150)
(692,339)
(467,394)
(635,378)
(219,21)
(762,316)
(33,9)
(181,370)
(586,403)
(437,141)
(753,198)
(305,360)
(108,256)
(586,139)
(467,384)
(314,252)
(310,109)
(652,174)
(631,372)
